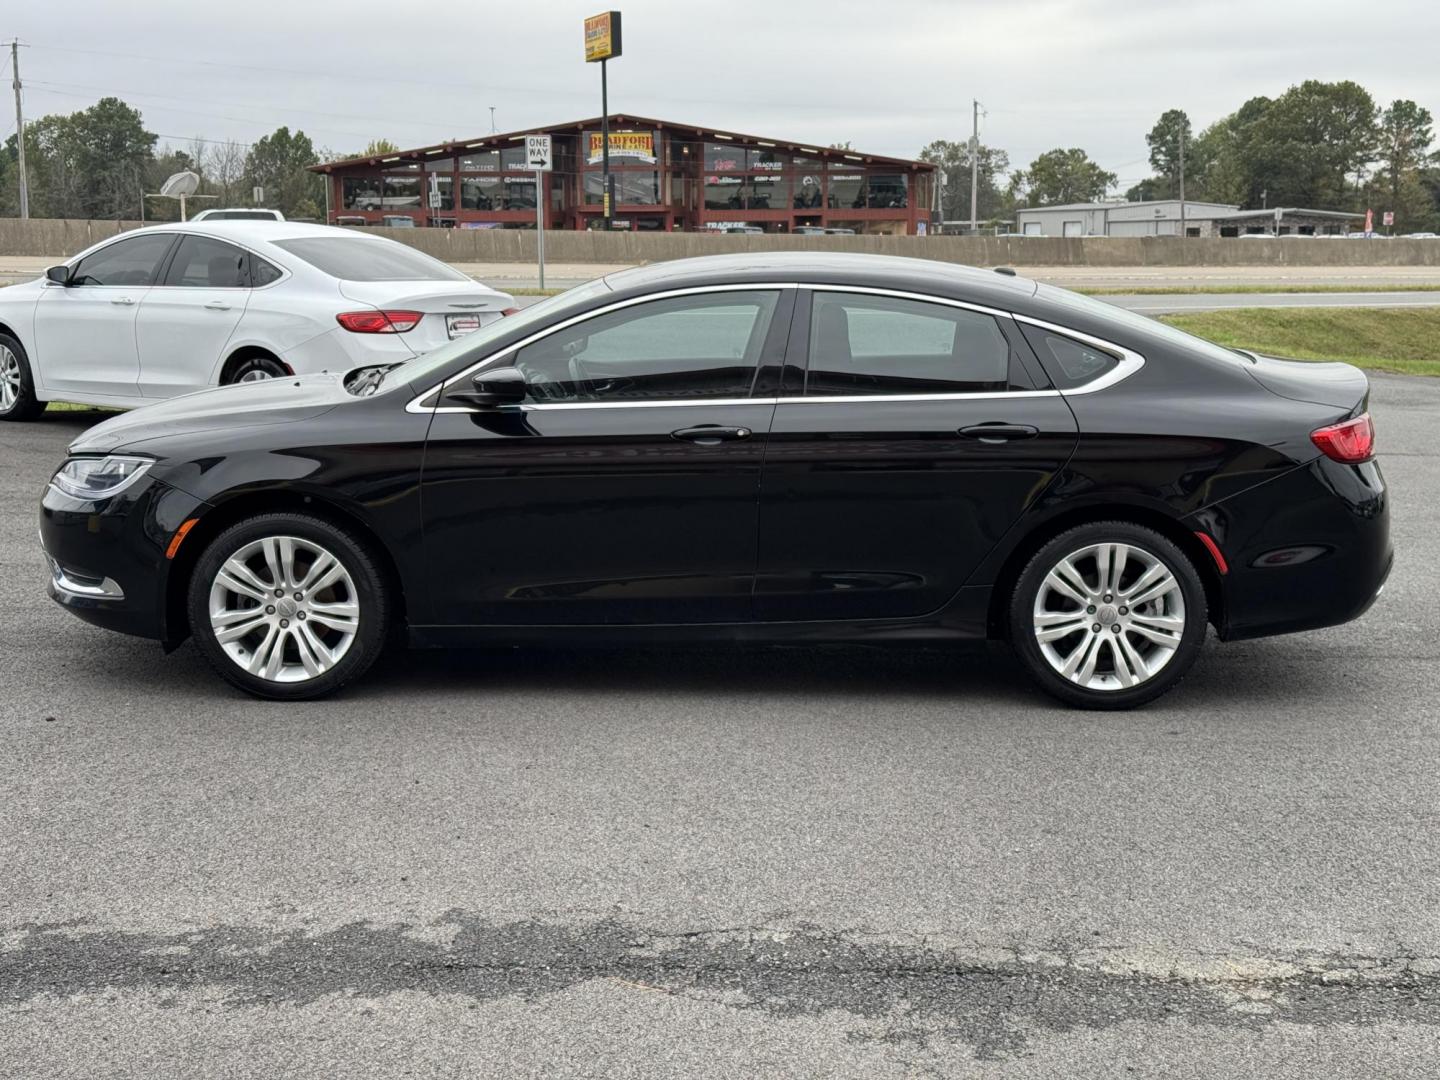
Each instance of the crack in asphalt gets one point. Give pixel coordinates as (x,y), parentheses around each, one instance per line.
(992,999)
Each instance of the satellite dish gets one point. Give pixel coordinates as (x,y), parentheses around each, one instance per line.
(180,185)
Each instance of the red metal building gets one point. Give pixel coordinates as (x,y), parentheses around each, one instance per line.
(667,176)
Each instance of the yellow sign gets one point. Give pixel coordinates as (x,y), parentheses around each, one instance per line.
(602,36)
(636,145)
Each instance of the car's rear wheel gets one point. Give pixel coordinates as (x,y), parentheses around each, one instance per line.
(1108,616)
(17,383)
(288,606)
(256,369)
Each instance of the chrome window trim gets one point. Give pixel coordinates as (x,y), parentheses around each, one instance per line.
(901,294)
(1130,361)
(697,290)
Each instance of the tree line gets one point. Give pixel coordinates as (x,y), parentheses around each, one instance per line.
(1327,145)
(1321,145)
(100,162)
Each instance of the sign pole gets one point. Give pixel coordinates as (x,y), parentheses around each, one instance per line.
(605,142)
(540,223)
(602,44)
(539,152)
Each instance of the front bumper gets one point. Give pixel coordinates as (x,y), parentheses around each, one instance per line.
(108,561)
(1309,549)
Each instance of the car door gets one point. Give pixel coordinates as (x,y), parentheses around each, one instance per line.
(624,489)
(909,437)
(85,331)
(186,319)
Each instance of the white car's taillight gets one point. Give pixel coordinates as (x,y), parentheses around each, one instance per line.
(379,322)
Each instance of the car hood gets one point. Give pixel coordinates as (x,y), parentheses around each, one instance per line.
(1342,386)
(245,405)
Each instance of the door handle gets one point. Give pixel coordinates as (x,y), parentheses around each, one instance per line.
(127,301)
(218,305)
(710,434)
(995,432)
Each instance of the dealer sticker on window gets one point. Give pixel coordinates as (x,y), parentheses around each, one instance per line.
(460,325)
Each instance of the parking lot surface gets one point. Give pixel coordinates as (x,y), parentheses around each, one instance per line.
(723,863)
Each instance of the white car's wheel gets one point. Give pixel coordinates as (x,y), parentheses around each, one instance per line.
(17,385)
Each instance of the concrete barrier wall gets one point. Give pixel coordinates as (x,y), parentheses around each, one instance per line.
(64,238)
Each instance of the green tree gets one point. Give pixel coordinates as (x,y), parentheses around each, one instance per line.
(279,163)
(953,158)
(89,164)
(379,148)
(1314,143)
(1406,132)
(1165,140)
(1062,176)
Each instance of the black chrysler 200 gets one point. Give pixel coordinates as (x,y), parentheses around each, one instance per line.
(786,448)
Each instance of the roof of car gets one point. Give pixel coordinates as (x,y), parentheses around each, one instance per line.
(889,271)
(258,230)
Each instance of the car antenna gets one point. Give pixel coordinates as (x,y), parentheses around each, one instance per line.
(1007,271)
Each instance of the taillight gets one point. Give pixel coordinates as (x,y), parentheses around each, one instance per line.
(379,322)
(510,311)
(1350,442)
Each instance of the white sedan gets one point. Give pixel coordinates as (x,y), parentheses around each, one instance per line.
(169,309)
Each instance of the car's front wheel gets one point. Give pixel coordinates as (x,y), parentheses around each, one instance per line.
(288,606)
(17,383)
(1108,615)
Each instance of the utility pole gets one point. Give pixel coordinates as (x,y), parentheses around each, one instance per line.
(974,164)
(492,120)
(20,129)
(1182,181)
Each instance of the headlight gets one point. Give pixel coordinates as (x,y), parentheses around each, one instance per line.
(100,478)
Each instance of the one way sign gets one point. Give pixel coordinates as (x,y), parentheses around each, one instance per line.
(537,152)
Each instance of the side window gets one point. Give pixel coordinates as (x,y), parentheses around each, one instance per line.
(262,272)
(133,261)
(686,347)
(201,262)
(1068,362)
(862,344)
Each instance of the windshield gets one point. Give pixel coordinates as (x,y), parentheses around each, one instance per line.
(422,369)
(355,258)
(1142,323)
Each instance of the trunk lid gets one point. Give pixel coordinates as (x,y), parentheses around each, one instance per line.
(1340,386)
(439,300)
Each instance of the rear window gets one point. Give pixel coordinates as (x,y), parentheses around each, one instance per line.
(353,258)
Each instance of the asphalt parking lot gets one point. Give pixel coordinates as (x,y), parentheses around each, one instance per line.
(726,863)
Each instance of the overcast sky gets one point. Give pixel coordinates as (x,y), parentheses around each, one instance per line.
(887,75)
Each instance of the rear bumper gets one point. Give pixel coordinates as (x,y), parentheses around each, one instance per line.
(107,558)
(1309,549)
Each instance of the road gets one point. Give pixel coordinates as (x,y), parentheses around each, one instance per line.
(1182,302)
(726,863)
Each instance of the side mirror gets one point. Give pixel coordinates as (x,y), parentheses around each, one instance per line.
(502,386)
(57,275)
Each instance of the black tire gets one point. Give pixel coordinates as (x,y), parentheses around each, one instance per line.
(17,402)
(1116,621)
(371,594)
(256,367)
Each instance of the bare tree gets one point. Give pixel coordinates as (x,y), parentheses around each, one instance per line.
(225,169)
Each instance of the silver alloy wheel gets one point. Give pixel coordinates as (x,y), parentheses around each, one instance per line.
(1109,616)
(284,609)
(254,375)
(10,385)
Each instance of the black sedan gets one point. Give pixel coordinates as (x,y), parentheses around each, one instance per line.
(786,448)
